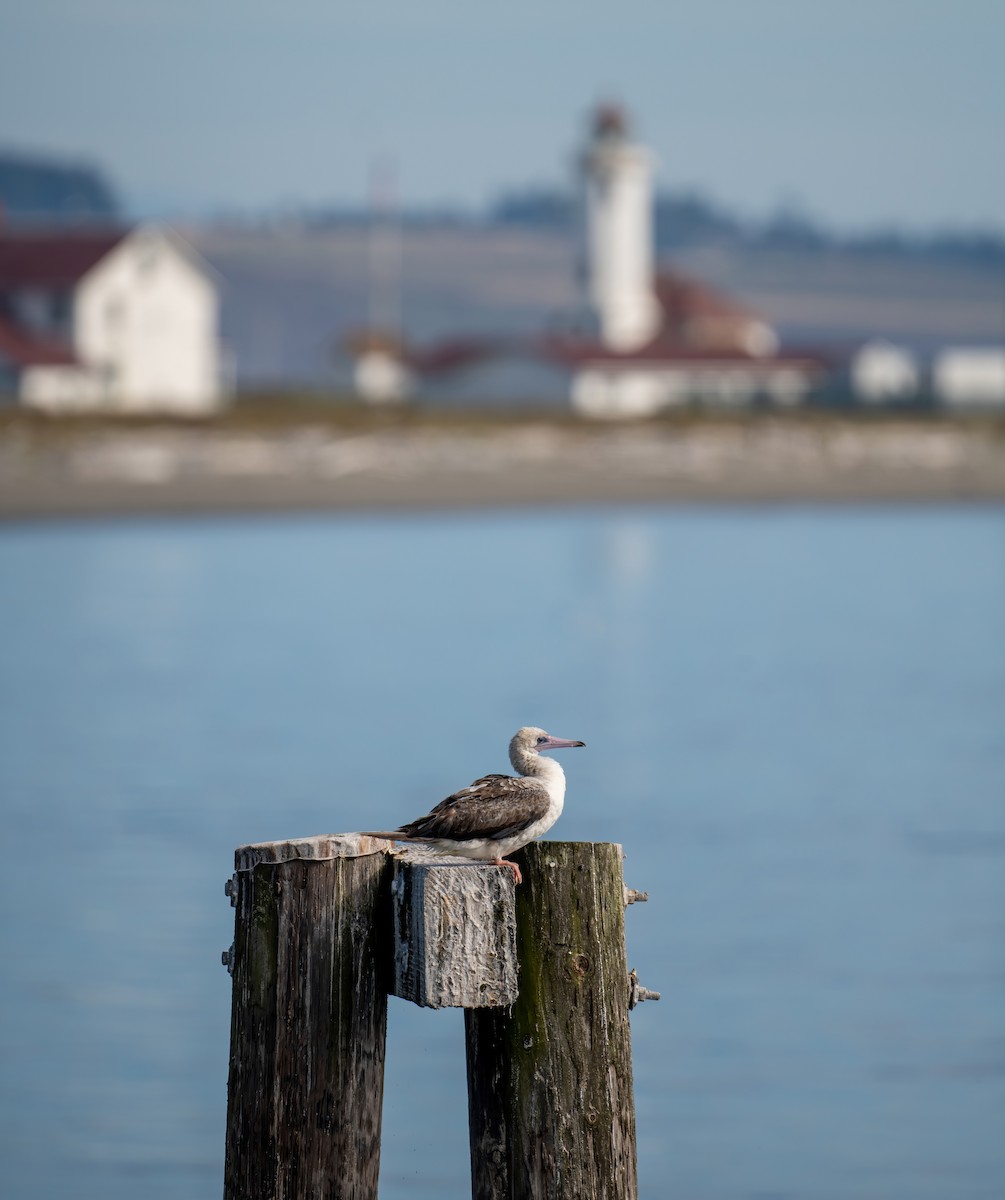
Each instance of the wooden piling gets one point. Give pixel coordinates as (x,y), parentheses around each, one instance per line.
(550,1101)
(309,965)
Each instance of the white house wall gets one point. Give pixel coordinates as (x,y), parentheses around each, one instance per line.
(382,378)
(970,378)
(145,318)
(60,389)
(881,372)
(625,391)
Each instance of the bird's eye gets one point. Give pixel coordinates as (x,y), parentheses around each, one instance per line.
(541,740)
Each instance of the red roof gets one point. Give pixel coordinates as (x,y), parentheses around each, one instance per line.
(684,299)
(571,351)
(575,351)
(686,306)
(52,259)
(26,349)
(453,354)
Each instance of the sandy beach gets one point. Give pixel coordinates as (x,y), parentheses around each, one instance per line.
(85,470)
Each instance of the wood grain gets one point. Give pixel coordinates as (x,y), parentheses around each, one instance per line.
(551,1109)
(308,1021)
(454,934)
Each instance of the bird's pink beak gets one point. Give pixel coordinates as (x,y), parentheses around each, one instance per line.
(554,743)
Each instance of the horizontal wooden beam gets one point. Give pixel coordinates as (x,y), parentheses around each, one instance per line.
(454,933)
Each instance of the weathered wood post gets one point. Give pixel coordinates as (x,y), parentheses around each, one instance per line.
(550,1102)
(326,926)
(309,963)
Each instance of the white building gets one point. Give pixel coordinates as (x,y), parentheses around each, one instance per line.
(964,377)
(612,388)
(882,373)
(113,321)
(381,374)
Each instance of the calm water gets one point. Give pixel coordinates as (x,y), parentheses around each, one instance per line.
(795,725)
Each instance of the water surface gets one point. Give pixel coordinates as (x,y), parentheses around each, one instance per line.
(794,727)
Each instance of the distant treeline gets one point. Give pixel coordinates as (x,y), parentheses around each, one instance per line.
(688,219)
(47,190)
(42,188)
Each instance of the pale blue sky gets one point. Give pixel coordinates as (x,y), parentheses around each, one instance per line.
(862,112)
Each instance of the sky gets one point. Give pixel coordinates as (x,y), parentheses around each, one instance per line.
(857,114)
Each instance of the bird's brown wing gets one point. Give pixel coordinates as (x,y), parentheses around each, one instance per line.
(493,807)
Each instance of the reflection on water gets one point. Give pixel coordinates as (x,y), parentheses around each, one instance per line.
(794,728)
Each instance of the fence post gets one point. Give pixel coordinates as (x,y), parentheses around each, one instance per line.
(309,965)
(550,1103)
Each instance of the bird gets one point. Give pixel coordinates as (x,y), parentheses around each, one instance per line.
(497,814)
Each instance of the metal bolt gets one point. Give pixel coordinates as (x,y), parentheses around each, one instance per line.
(636,992)
(634,896)
(230,889)
(227,958)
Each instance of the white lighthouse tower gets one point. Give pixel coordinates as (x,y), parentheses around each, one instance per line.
(618,234)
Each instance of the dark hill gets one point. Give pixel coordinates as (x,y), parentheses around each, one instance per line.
(43,189)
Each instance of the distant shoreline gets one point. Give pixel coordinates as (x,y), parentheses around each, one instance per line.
(172,502)
(62,471)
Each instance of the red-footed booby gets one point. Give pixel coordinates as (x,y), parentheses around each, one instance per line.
(497,814)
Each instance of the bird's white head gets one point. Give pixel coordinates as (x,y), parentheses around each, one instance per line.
(531,741)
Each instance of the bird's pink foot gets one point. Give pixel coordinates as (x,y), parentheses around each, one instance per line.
(505,862)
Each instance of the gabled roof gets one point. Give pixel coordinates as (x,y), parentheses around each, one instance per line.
(52,258)
(22,348)
(683,299)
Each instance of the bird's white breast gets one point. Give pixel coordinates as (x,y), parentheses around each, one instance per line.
(553,777)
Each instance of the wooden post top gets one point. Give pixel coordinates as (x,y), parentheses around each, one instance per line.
(322,847)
